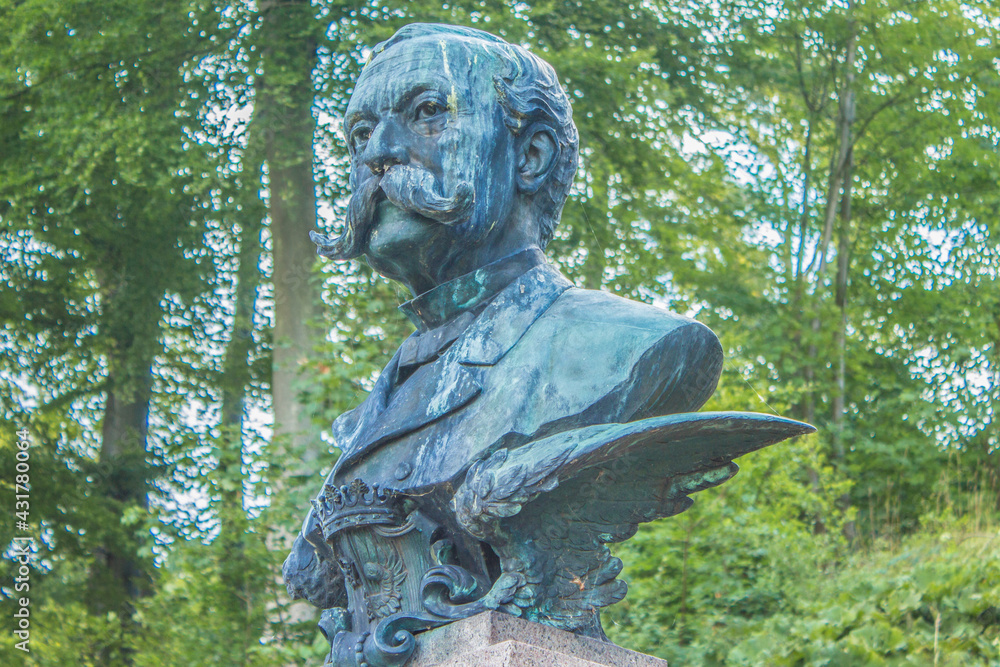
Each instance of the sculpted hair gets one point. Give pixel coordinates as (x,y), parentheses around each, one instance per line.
(528,92)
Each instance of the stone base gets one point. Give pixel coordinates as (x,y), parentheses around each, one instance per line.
(495,639)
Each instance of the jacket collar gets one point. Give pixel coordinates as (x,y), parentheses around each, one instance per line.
(468,293)
(452,381)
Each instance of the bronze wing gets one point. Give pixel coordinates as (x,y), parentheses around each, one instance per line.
(549,508)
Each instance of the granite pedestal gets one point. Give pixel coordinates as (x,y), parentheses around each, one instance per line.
(494,639)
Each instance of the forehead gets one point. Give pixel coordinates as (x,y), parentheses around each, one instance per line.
(453,65)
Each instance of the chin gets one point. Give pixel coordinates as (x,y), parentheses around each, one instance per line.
(400,231)
(420,252)
(398,240)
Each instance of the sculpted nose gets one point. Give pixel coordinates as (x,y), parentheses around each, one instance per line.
(384,148)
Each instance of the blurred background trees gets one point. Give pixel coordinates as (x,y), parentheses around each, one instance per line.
(817,181)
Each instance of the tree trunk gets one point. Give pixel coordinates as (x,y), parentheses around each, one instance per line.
(119,578)
(130,323)
(838,183)
(843,263)
(236,363)
(284,115)
(843,245)
(834,181)
(236,565)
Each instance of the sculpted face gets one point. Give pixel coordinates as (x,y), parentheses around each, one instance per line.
(433,164)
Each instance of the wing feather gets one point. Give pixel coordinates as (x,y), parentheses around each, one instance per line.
(549,508)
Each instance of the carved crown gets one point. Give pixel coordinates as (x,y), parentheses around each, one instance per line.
(354,505)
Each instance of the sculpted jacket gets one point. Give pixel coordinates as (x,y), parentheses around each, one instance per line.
(537,358)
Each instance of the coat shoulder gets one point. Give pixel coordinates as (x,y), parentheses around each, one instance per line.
(588,308)
(660,362)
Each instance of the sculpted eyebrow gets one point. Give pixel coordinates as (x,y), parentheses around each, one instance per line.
(352,118)
(404,100)
(416,91)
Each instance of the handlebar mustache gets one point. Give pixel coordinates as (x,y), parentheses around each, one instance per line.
(408,187)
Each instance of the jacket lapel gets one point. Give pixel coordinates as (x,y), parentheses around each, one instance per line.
(350,425)
(452,381)
(433,391)
(509,316)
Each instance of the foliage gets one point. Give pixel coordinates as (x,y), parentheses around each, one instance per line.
(720,142)
(779,599)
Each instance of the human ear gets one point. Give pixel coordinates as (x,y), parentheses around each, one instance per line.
(537,154)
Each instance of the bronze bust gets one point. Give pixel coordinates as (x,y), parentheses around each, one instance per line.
(526,423)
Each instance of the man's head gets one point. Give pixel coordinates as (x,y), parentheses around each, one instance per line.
(463,150)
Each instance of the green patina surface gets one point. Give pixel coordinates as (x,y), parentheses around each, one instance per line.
(527,423)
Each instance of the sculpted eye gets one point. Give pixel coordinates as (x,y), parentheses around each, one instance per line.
(359,137)
(429,109)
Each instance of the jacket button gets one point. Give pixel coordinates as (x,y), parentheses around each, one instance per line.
(403,471)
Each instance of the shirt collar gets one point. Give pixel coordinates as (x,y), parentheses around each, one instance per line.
(469,292)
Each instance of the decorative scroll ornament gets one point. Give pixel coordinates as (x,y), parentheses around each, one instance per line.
(402,575)
(388,575)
